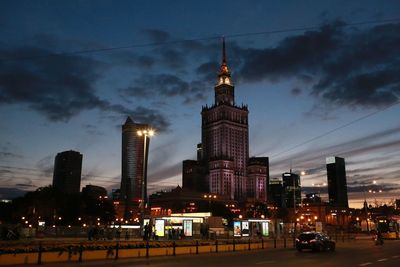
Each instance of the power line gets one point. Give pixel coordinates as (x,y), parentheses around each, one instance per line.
(336,129)
(232,36)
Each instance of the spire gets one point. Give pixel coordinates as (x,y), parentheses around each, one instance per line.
(224,76)
(223,51)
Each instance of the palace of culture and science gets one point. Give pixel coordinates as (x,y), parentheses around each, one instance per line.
(223,165)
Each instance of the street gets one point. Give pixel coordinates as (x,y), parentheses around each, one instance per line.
(355,253)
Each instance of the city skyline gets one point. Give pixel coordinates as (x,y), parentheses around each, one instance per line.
(315,86)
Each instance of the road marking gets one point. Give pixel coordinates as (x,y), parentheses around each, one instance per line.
(385,259)
(395,257)
(365,264)
(265,262)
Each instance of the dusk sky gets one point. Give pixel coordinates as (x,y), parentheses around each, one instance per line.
(320,78)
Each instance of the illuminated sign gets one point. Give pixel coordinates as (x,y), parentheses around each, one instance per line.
(245,228)
(188,227)
(265,229)
(237,230)
(159,227)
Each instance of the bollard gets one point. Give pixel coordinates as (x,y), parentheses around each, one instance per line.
(216,246)
(197,246)
(275,242)
(249,244)
(262,243)
(234,245)
(284,242)
(116,251)
(173,248)
(39,261)
(147,249)
(80,252)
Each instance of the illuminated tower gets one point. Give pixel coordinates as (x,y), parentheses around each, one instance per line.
(225,139)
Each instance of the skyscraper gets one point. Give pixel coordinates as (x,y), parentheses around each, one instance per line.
(225,138)
(337,185)
(67,172)
(133,165)
(258,178)
(291,189)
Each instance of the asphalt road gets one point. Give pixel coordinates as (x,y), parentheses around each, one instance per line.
(356,253)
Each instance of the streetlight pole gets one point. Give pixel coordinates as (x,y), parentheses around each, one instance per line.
(146,141)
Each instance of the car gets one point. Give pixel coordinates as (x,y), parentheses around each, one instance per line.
(316,241)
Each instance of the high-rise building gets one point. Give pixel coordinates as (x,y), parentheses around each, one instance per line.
(193,176)
(67,172)
(225,139)
(223,164)
(337,185)
(292,189)
(133,165)
(275,192)
(258,178)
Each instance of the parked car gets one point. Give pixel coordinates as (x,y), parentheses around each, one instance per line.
(315,241)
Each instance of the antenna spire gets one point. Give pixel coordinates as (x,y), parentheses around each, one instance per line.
(223,50)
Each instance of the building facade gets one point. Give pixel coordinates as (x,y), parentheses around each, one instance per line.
(291,189)
(132,175)
(337,184)
(67,172)
(223,153)
(258,178)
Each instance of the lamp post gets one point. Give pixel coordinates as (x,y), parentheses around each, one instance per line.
(146,133)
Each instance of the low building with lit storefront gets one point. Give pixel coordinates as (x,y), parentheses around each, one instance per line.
(184,200)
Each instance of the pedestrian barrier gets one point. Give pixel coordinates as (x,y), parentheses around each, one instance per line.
(80,252)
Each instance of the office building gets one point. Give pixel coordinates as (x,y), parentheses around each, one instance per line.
(67,172)
(132,176)
(258,178)
(291,189)
(337,185)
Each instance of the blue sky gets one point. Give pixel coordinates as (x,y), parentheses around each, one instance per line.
(71,71)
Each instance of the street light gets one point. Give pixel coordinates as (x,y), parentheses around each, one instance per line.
(146,133)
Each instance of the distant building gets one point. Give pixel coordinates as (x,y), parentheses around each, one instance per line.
(93,192)
(132,165)
(337,186)
(275,195)
(67,172)
(258,178)
(193,176)
(292,189)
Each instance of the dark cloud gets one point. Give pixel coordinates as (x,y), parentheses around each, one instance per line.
(166,85)
(60,86)
(355,68)
(156,36)
(208,71)
(295,91)
(92,129)
(57,86)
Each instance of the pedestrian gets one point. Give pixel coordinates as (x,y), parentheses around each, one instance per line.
(146,232)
